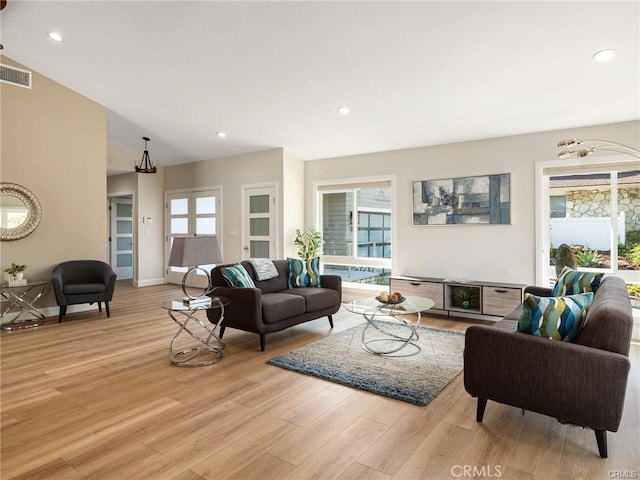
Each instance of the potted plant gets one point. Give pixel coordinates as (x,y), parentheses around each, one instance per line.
(465,295)
(308,242)
(15,272)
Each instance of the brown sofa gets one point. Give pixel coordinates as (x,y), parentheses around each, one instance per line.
(582,383)
(273,306)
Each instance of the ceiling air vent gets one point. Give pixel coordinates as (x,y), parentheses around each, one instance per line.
(15,76)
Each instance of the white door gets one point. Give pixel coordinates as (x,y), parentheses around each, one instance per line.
(188,214)
(259,230)
(122,237)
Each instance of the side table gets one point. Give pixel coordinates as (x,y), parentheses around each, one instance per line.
(208,343)
(20,310)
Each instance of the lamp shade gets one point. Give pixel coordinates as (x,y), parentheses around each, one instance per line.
(193,251)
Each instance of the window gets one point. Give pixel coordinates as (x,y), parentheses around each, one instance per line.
(595,209)
(356,225)
(558,206)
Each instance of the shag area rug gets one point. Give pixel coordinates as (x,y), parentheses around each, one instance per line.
(415,379)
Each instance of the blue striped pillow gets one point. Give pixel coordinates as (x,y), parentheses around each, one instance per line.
(237,276)
(556,318)
(303,273)
(571,282)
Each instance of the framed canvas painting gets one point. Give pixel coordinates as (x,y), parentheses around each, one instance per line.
(479,200)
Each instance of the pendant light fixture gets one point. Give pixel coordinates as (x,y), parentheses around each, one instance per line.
(145,165)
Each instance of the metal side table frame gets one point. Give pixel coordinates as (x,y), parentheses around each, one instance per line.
(207,340)
(21,301)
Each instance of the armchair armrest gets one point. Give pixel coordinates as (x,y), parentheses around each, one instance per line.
(571,382)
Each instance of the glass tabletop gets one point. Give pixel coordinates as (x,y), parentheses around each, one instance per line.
(30,283)
(372,306)
(180,306)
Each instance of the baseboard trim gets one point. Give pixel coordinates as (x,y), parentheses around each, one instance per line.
(149,283)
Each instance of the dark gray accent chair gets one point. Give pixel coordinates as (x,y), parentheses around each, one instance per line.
(273,306)
(83,281)
(582,383)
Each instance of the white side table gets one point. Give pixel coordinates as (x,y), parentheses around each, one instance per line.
(19,309)
(209,347)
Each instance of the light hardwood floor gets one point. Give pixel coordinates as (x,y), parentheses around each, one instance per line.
(98,398)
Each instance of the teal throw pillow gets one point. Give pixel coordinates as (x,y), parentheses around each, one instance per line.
(571,282)
(556,318)
(237,276)
(303,273)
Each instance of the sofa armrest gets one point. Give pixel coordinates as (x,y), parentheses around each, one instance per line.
(571,382)
(245,310)
(333,282)
(538,291)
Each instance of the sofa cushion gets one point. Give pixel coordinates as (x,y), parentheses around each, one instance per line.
(316,299)
(304,273)
(571,282)
(280,306)
(264,268)
(237,276)
(556,318)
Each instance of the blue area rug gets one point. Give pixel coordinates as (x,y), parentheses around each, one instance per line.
(415,379)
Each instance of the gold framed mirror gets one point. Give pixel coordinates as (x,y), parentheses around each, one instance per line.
(20,211)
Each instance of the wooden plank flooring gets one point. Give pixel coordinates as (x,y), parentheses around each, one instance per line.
(97,398)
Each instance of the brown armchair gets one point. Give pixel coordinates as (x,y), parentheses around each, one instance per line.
(582,383)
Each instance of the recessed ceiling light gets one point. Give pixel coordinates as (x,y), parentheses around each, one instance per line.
(55,36)
(343,110)
(221,134)
(604,55)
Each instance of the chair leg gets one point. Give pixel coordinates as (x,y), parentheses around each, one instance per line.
(601,438)
(263,339)
(482,404)
(330,320)
(100,307)
(62,313)
(222,327)
(106,307)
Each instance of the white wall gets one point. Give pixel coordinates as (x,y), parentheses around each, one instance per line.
(478,252)
(292,206)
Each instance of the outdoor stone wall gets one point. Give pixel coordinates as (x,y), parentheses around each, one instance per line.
(595,203)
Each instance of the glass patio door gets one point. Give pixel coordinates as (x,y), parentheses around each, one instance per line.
(189,214)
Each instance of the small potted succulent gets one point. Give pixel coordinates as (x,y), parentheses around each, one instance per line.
(15,273)
(634,294)
(465,295)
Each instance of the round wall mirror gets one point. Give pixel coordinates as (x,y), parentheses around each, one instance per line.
(20,211)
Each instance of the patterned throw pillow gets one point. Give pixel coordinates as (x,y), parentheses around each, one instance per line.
(571,282)
(556,318)
(264,267)
(304,274)
(237,276)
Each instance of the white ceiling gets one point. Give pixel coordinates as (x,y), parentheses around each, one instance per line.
(272,74)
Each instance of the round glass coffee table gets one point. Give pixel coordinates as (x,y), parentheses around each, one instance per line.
(391,327)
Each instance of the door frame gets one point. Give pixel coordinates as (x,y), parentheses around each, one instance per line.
(111,261)
(244,233)
(167,229)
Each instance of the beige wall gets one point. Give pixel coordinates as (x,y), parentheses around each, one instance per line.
(231,173)
(477,252)
(293,202)
(53,142)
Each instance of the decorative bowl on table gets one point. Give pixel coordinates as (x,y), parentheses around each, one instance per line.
(393,299)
